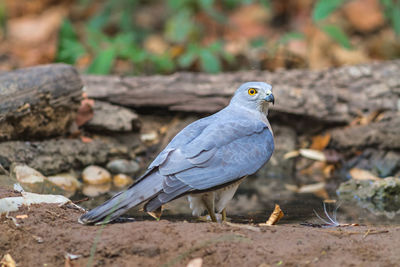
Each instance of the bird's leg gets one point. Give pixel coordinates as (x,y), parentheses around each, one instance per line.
(224,215)
(209,203)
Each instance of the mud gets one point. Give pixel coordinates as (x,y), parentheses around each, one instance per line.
(49,232)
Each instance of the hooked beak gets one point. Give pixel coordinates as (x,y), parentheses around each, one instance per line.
(270,98)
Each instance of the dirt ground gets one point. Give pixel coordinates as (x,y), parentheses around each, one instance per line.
(49,232)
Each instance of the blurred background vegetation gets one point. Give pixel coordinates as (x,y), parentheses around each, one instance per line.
(136,37)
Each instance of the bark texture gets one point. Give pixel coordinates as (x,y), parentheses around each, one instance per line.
(38,102)
(330,96)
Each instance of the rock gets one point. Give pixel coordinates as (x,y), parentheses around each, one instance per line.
(66,181)
(124,166)
(380,197)
(149,137)
(58,155)
(33,181)
(95,175)
(25,174)
(113,118)
(91,190)
(122,180)
(7,181)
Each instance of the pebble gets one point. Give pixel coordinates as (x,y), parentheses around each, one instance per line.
(95,175)
(124,166)
(27,175)
(66,181)
(33,181)
(91,190)
(122,180)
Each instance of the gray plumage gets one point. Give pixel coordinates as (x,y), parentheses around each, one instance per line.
(208,155)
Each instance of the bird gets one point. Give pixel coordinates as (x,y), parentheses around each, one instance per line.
(205,161)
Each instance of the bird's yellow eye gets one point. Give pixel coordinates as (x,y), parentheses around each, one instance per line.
(252,91)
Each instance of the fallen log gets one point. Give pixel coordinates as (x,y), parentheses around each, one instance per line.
(39,101)
(384,134)
(330,96)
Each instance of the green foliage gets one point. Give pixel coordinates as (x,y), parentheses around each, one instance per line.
(392,13)
(287,37)
(179,27)
(69,47)
(337,34)
(323,8)
(112,33)
(103,62)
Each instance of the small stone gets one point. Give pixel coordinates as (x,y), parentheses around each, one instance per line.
(91,190)
(149,137)
(66,181)
(33,181)
(96,175)
(122,180)
(27,175)
(124,166)
(113,118)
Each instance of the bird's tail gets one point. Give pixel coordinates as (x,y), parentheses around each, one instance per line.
(143,190)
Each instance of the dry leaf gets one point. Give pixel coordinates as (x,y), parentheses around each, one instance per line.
(155,44)
(320,142)
(85,111)
(276,215)
(364,15)
(311,188)
(328,170)
(7,261)
(360,174)
(197,262)
(312,154)
(156,214)
(291,154)
(292,187)
(22,216)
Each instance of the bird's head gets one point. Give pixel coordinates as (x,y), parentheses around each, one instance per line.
(254,95)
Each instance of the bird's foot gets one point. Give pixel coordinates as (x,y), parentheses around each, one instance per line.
(207,218)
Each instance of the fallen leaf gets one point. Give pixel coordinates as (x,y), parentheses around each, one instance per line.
(311,188)
(85,111)
(197,262)
(156,214)
(320,142)
(364,15)
(155,44)
(291,154)
(328,170)
(7,261)
(312,154)
(360,174)
(276,215)
(22,216)
(292,187)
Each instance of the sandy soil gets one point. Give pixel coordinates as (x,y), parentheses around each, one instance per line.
(49,232)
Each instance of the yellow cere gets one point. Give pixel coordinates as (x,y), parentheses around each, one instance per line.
(252,91)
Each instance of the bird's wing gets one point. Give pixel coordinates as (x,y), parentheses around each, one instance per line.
(184,137)
(223,152)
